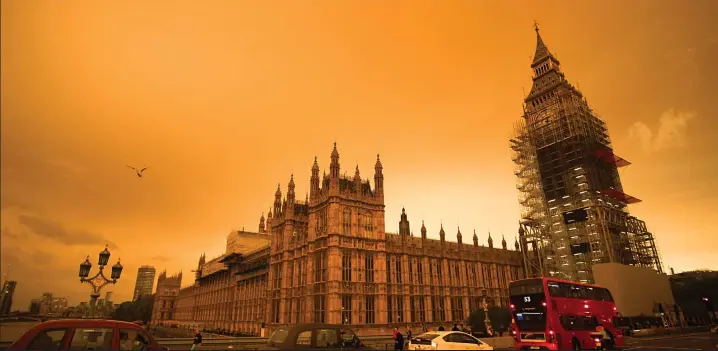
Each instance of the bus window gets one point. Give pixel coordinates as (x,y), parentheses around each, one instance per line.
(526,287)
(554,289)
(578,323)
(531,321)
(578,292)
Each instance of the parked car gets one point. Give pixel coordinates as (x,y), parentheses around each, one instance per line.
(86,334)
(314,336)
(447,340)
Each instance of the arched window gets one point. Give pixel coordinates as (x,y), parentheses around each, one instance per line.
(369,226)
(347,222)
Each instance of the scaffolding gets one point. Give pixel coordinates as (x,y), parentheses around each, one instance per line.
(574,210)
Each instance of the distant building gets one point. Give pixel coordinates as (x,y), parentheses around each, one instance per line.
(49,304)
(35,305)
(6,295)
(163,309)
(145,282)
(696,294)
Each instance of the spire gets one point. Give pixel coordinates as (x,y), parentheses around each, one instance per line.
(261,224)
(315,166)
(278,200)
(269,214)
(541,48)
(423,230)
(458,235)
(442,235)
(291,196)
(314,181)
(491,241)
(516,245)
(503,242)
(476,239)
(404,227)
(334,165)
(378,177)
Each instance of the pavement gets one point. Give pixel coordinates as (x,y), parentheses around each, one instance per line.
(696,341)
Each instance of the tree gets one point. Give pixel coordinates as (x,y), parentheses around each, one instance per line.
(139,310)
(499,316)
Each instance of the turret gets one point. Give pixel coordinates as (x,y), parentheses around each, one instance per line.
(261,224)
(291,196)
(476,239)
(503,242)
(378,178)
(491,241)
(442,235)
(357,181)
(278,201)
(314,181)
(458,236)
(334,166)
(404,228)
(516,245)
(423,230)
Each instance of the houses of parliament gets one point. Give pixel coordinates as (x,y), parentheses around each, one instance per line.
(328,259)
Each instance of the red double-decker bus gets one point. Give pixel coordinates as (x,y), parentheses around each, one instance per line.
(551,314)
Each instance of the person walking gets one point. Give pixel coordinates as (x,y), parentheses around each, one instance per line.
(197,341)
(398,339)
(408,335)
(441,328)
(455,328)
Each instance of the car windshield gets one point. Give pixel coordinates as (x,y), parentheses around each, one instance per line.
(279,336)
(427,336)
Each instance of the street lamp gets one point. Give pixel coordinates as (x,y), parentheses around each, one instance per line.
(99,280)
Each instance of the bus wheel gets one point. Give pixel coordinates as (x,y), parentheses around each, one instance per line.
(576,345)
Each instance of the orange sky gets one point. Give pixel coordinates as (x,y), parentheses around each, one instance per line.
(223,99)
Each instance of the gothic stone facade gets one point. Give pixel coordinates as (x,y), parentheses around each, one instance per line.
(329,261)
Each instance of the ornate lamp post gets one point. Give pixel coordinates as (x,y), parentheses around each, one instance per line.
(99,280)
(487,320)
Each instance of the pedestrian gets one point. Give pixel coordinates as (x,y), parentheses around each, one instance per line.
(501,330)
(408,334)
(398,339)
(424,329)
(455,328)
(197,341)
(441,328)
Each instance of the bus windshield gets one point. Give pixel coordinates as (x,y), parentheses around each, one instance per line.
(528,301)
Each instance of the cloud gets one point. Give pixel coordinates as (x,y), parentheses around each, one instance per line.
(7,232)
(671,133)
(57,232)
(161,258)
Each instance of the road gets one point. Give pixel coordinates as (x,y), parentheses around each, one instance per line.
(699,341)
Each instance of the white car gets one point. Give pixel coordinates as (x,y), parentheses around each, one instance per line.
(447,340)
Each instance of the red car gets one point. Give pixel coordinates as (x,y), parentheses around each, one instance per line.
(86,334)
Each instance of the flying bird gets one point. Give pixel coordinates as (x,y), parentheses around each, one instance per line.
(139,172)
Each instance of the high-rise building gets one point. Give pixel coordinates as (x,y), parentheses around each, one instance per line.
(574,206)
(145,281)
(6,295)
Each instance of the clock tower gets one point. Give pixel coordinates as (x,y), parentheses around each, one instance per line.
(574,208)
